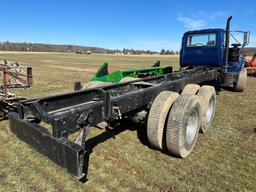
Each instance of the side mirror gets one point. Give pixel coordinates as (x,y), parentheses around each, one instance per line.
(246,38)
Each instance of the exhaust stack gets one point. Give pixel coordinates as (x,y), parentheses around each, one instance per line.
(227,43)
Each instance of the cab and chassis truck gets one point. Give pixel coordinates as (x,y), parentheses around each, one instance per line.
(179,104)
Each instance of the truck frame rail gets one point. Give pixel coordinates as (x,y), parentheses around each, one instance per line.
(80,110)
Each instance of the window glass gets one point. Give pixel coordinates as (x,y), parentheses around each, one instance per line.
(202,40)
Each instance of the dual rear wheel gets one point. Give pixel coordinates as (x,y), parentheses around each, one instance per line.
(174,120)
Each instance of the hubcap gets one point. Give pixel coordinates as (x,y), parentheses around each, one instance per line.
(192,126)
(209,111)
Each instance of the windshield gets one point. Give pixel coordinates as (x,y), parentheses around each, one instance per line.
(202,40)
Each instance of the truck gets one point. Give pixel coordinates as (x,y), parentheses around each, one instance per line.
(179,104)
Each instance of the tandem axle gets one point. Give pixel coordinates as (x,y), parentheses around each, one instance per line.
(80,110)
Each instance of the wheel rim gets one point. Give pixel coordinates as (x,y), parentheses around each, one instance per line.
(192,126)
(210,110)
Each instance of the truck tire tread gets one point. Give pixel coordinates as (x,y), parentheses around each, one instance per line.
(190,89)
(157,117)
(177,125)
(207,95)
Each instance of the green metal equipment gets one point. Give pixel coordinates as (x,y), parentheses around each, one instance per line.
(103,75)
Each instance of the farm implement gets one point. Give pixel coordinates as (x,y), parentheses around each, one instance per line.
(102,76)
(251,66)
(13,77)
(116,77)
(179,104)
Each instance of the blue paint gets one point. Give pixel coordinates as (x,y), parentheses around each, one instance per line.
(212,56)
(236,67)
(203,55)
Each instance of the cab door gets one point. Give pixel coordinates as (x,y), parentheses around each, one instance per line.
(201,49)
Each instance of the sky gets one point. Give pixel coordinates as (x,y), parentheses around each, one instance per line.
(118,24)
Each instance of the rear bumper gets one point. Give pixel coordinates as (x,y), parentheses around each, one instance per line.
(61,151)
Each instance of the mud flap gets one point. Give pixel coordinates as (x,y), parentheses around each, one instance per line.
(61,151)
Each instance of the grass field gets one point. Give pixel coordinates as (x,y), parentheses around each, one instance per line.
(224,159)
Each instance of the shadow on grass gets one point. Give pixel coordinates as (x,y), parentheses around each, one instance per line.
(110,132)
(229,89)
(226,88)
(117,128)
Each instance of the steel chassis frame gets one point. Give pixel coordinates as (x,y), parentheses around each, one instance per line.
(83,109)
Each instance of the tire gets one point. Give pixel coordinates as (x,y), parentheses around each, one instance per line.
(93,84)
(126,79)
(207,97)
(157,117)
(183,125)
(190,89)
(241,83)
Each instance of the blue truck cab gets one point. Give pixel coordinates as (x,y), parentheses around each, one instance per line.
(203,48)
(211,48)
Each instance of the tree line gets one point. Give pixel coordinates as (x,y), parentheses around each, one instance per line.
(168,52)
(40,47)
(126,51)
